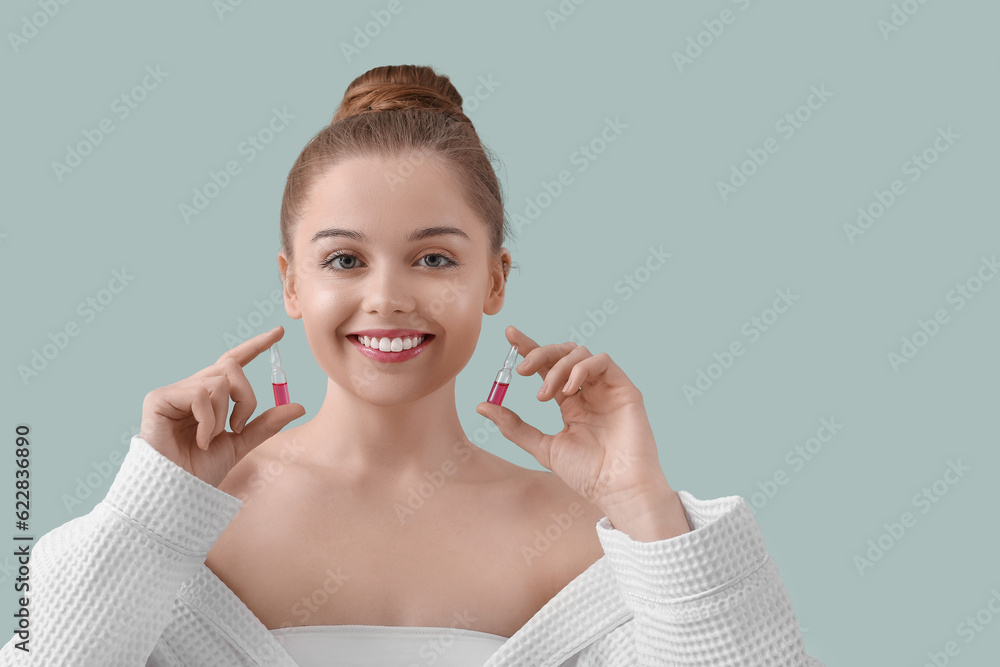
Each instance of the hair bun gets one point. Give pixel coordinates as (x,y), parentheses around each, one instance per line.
(393,87)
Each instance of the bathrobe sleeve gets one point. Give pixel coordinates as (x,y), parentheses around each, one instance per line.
(102,585)
(711,596)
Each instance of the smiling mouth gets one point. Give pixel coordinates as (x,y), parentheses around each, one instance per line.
(391,345)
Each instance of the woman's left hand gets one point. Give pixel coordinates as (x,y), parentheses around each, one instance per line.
(606,452)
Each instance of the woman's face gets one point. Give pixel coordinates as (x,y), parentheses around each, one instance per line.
(384,244)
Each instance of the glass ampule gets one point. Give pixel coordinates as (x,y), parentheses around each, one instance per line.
(502,381)
(278,381)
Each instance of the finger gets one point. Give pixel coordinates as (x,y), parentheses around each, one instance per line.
(559,373)
(523,343)
(218,391)
(248,350)
(522,434)
(543,358)
(216,387)
(266,425)
(599,367)
(241,393)
(201,408)
(526,346)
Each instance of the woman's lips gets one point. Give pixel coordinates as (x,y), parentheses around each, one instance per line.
(403,355)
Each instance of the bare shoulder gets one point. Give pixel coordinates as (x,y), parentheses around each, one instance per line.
(551,527)
(265,465)
(257,480)
(559,541)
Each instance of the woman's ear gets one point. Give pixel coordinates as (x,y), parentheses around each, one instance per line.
(287,280)
(498,283)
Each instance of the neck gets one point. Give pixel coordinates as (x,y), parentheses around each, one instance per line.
(395,443)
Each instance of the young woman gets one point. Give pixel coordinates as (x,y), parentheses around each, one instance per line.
(375,532)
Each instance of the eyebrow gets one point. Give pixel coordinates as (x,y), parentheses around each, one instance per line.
(415,235)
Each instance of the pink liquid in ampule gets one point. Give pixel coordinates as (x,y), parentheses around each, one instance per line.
(278,380)
(502,381)
(280,393)
(497,393)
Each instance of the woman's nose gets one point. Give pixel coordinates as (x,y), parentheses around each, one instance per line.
(387,291)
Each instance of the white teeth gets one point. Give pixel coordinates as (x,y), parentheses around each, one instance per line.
(391,344)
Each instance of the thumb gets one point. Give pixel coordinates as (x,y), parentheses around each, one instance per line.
(266,425)
(515,429)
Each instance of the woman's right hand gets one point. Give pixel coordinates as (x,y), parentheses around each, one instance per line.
(186,421)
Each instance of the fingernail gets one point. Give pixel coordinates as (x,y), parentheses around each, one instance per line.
(240,424)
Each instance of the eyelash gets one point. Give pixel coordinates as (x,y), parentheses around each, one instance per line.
(327,263)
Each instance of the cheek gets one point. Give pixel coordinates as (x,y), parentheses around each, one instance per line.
(442,304)
(463,318)
(324,295)
(461,304)
(324,309)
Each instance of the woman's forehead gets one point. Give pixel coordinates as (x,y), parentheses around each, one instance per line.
(355,195)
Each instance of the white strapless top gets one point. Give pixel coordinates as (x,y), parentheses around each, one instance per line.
(386,646)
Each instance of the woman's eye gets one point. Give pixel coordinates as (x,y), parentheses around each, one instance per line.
(443,260)
(338,256)
(336,261)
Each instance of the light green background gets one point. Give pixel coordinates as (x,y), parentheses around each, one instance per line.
(655,185)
